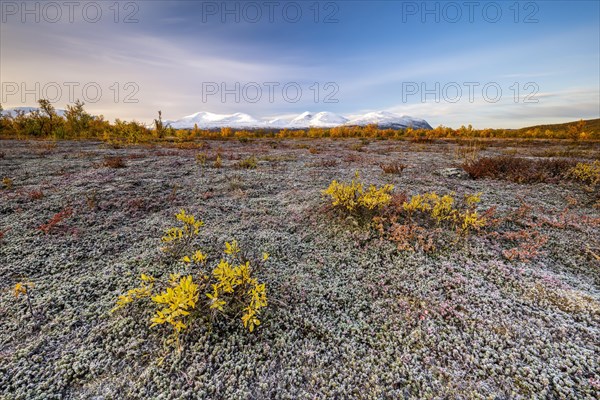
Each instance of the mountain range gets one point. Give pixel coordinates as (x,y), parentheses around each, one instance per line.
(324,119)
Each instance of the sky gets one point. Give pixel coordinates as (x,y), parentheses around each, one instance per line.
(492,64)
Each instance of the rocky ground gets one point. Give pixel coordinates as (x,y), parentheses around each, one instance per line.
(350,316)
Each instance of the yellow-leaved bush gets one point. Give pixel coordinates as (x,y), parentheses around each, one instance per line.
(443,209)
(588,173)
(228,289)
(419,222)
(178,239)
(177,302)
(24,288)
(355,199)
(144,290)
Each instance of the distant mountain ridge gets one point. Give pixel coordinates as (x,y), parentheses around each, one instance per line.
(28,110)
(323,119)
(386,119)
(205,119)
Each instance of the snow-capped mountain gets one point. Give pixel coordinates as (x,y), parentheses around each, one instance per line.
(324,119)
(12,112)
(386,119)
(277,123)
(206,120)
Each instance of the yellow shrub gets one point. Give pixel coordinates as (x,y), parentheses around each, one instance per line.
(416,203)
(354,198)
(588,173)
(442,209)
(471,220)
(201,159)
(439,207)
(7,183)
(472,199)
(178,301)
(218,162)
(140,292)
(231,279)
(375,198)
(178,239)
(24,288)
(229,289)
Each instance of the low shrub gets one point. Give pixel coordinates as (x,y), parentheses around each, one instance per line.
(354,199)
(357,147)
(528,244)
(7,183)
(352,158)
(519,170)
(24,288)
(201,159)
(441,209)
(56,220)
(36,194)
(179,239)
(587,173)
(247,163)
(226,289)
(114,162)
(410,237)
(419,223)
(91,199)
(190,145)
(421,139)
(393,168)
(566,300)
(218,161)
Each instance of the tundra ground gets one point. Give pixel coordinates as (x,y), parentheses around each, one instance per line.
(350,316)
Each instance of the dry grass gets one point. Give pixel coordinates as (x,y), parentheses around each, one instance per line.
(247,163)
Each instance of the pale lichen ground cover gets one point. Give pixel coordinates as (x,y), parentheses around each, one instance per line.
(349,316)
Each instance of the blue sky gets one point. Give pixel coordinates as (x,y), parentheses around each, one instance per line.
(514,63)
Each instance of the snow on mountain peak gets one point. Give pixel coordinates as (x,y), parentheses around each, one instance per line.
(330,118)
(209,120)
(389,119)
(323,119)
(12,112)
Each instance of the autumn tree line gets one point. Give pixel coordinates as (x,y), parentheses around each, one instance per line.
(76,123)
